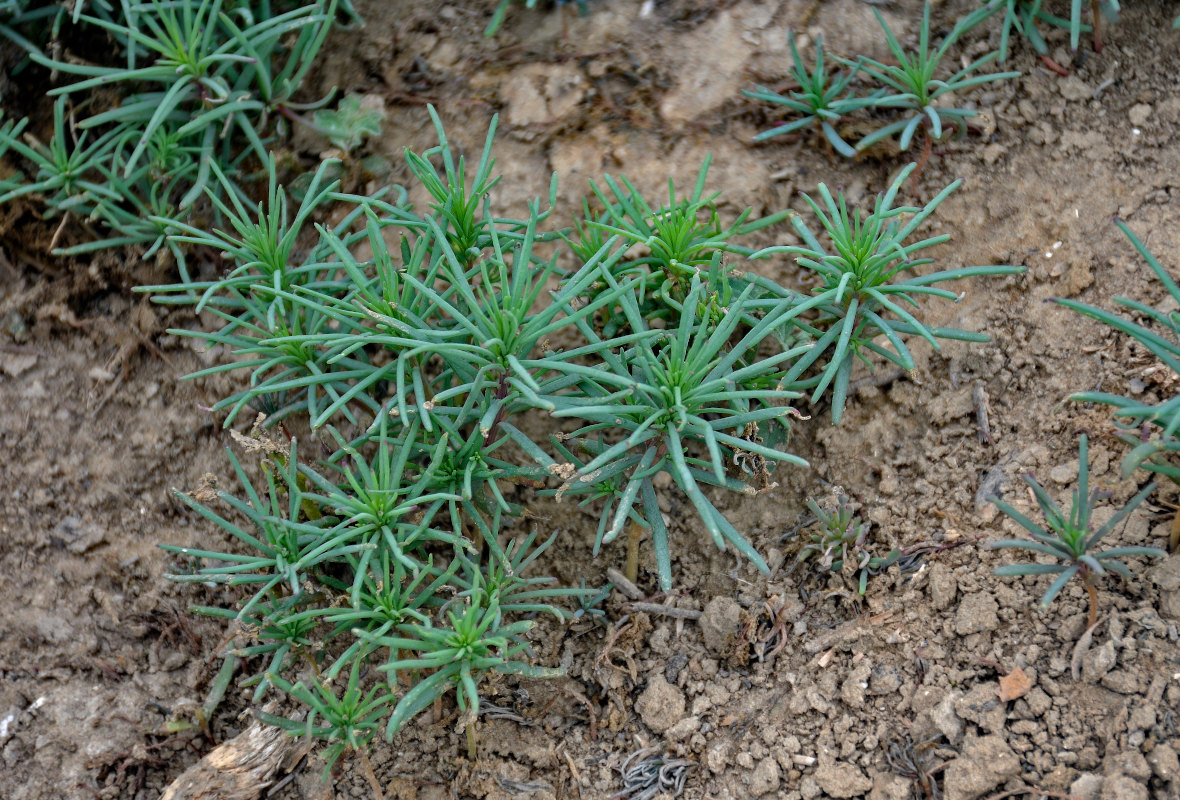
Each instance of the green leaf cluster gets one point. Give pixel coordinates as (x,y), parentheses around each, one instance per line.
(1159,333)
(909,91)
(434,352)
(193,97)
(863,303)
(841,539)
(1070,539)
(1022,16)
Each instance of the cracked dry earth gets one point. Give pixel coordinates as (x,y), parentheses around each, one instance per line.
(946,681)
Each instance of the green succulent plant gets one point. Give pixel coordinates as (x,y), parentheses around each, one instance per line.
(349,124)
(913,88)
(415,344)
(840,539)
(822,99)
(1163,341)
(675,241)
(1071,539)
(863,294)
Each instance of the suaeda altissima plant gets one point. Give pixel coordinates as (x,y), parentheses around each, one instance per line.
(913,88)
(1022,16)
(698,385)
(840,539)
(1071,540)
(403,517)
(821,101)
(679,239)
(346,720)
(413,342)
(863,294)
(201,90)
(1138,419)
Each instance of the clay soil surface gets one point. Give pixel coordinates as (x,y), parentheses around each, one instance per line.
(944,681)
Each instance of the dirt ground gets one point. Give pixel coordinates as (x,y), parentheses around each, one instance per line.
(903,695)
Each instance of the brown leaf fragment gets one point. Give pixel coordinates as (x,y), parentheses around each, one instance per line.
(1014,685)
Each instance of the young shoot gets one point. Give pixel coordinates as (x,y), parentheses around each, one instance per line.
(1071,540)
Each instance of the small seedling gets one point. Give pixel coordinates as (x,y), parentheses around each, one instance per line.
(1149,452)
(915,89)
(823,98)
(1071,539)
(860,297)
(347,723)
(839,540)
(350,123)
(1023,16)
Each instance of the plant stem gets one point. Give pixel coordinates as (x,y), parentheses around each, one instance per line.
(501,392)
(369,774)
(1053,65)
(634,534)
(1096,13)
(472,743)
(927,144)
(1093,605)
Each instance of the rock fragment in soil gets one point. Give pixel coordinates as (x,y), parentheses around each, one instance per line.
(943,586)
(661,705)
(946,720)
(982,706)
(977,613)
(841,779)
(1075,89)
(720,622)
(985,764)
(1087,786)
(1129,762)
(1122,787)
(1167,577)
(1164,762)
(1098,661)
(765,778)
(887,786)
(16,364)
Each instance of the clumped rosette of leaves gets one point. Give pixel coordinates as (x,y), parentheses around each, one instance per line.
(840,539)
(202,89)
(415,345)
(822,99)
(361,557)
(1071,539)
(864,304)
(910,91)
(913,88)
(701,384)
(1159,334)
(1023,16)
(675,241)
